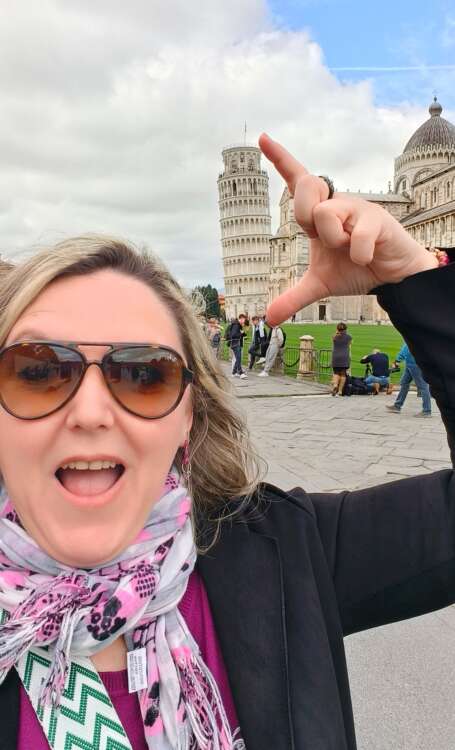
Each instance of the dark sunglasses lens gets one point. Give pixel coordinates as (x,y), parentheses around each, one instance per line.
(35,379)
(145,380)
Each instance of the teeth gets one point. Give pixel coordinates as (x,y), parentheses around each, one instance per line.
(91,465)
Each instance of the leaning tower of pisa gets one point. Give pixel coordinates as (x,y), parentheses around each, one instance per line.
(243,190)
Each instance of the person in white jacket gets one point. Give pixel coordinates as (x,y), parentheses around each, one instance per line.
(275,344)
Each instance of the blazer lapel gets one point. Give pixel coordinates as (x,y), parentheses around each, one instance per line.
(242,576)
(9,702)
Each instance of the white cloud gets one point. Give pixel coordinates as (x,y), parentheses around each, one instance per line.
(114,116)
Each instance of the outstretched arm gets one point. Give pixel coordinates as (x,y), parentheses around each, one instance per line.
(390,548)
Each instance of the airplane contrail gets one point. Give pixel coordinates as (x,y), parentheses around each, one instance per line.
(396,68)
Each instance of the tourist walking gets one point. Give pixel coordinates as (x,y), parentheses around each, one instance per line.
(264,339)
(341,358)
(236,336)
(276,342)
(254,349)
(380,370)
(227,338)
(156,593)
(411,373)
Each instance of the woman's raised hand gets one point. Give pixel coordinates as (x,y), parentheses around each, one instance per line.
(355,245)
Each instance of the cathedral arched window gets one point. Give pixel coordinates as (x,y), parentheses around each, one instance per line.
(448,190)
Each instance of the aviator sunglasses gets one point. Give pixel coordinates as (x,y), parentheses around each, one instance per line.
(39,377)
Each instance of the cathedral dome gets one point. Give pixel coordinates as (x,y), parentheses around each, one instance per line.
(434,132)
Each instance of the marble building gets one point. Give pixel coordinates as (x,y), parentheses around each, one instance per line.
(259,266)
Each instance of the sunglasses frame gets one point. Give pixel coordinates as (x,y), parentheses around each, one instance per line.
(187,374)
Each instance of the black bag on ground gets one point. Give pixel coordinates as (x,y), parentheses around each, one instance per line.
(355,386)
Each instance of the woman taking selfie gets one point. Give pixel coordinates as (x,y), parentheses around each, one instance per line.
(154,593)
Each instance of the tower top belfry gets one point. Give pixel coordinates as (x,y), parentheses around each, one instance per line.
(241,158)
(243,189)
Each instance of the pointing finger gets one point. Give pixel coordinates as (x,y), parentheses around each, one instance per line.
(288,167)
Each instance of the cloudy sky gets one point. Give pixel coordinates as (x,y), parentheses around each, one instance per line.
(113,115)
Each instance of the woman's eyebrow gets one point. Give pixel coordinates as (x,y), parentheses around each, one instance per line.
(30,333)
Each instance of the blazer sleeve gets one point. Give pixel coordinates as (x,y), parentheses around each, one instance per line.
(391,548)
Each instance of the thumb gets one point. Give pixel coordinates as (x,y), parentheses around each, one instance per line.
(309,289)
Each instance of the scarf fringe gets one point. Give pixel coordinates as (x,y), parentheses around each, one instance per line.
(206,714)
(52,688)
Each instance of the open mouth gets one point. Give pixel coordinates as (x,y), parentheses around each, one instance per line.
(87,479)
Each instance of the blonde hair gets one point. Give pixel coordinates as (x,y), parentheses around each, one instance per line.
(224,465)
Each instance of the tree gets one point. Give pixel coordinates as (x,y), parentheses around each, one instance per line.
(210,296)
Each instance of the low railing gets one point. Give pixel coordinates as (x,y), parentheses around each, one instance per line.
(298,361)
(290,356)
(323,365)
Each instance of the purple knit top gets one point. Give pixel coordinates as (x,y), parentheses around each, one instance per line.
(196,610)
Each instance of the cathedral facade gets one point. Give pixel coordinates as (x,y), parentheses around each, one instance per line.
(259,266)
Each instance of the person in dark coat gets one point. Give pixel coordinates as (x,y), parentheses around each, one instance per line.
(379,376)
(237,334)
(254,350)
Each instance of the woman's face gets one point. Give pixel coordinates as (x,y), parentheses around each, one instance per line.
(104,306)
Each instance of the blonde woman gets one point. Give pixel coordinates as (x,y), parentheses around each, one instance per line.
(155,595)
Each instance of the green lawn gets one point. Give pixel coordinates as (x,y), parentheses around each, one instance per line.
(365,338)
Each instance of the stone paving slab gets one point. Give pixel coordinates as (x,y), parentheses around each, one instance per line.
(402,675)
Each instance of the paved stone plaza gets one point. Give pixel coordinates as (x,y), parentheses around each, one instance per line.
(402,675)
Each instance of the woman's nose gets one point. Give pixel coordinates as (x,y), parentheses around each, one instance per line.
(92,405)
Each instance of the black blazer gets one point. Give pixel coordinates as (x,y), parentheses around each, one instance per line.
(289,578)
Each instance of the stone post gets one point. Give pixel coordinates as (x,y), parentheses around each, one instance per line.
(307,360)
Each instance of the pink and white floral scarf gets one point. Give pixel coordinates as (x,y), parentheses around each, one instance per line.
(78,612)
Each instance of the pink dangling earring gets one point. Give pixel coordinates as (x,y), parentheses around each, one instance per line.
(186,464)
